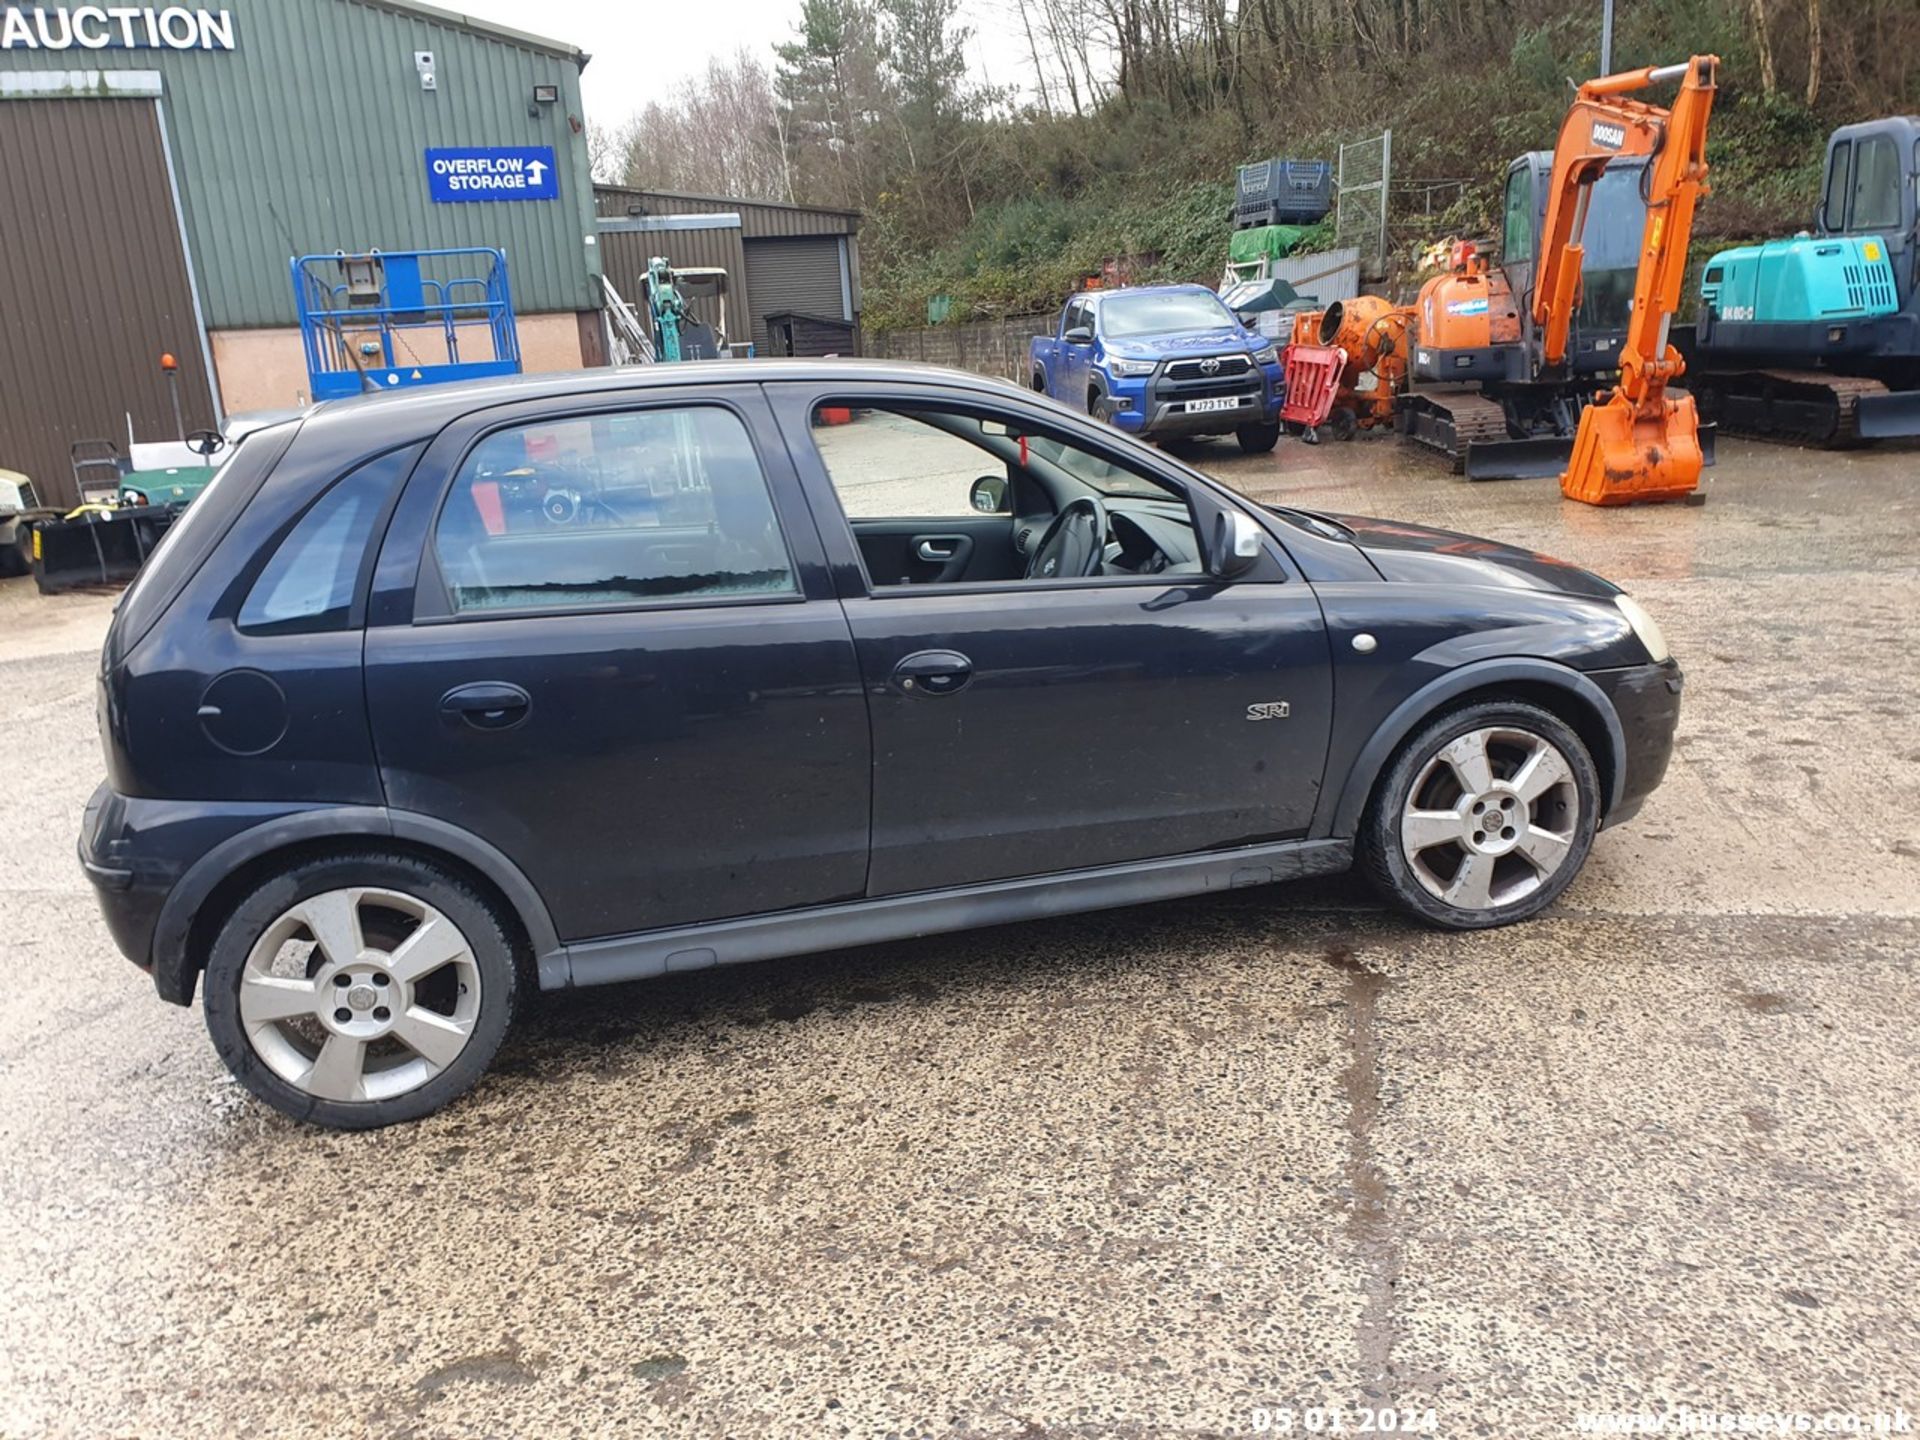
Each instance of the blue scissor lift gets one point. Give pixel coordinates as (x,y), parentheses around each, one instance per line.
(386,320)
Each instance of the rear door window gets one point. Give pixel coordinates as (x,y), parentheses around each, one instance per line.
(661,505)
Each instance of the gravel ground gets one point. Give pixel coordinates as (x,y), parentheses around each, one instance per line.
(1159,1172)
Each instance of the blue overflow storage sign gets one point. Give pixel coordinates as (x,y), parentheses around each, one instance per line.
(492,172)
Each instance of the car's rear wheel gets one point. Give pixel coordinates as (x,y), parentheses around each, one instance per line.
(357,991)
(1484,817)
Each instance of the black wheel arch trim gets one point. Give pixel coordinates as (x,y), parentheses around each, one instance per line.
(1411,712)
(175,966)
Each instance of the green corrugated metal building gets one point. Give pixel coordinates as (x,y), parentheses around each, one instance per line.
(233,137)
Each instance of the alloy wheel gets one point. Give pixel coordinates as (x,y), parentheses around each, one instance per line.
(360,994)
(1490,818)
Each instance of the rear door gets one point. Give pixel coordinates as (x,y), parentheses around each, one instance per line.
(604,642)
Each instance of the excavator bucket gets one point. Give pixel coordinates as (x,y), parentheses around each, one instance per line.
(1621,455)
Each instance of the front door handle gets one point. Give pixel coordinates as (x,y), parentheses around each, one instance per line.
(487,705)
(933,672)
(935,553)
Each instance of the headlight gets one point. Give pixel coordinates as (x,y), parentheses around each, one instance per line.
(1645,626)
(1268,356)
(1132,368)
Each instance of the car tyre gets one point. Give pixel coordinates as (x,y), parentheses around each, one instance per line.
(1257,439)
(1483,817)
(383,971)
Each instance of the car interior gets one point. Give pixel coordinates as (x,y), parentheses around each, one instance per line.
(1041,508)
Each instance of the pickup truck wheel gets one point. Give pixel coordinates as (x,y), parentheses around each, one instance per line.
(1095,395)
(1257,439)
(1039,381)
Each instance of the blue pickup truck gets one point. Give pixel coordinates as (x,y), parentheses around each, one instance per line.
(1163,361)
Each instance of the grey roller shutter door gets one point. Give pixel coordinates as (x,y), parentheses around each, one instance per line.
(794,274)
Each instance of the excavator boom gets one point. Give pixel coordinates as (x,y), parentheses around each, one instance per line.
(1635,443)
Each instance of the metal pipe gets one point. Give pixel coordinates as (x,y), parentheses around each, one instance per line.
(1606,37)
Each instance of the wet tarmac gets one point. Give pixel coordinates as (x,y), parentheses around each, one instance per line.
(1159,1172)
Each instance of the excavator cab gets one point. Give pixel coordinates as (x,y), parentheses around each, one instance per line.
(1616,218)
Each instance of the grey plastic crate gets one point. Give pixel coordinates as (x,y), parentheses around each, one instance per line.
(1283,192)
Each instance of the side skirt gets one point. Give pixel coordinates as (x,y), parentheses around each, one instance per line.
(904,917)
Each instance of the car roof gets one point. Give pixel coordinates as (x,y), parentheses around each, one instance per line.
(399,415)
(1097,295)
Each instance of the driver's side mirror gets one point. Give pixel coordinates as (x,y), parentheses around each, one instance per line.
(1234,545)
(1079,335)
(989,495)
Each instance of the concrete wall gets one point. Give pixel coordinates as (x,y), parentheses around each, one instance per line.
(266,369)
(987,347)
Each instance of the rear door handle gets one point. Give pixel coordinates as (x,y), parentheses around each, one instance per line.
(933,672)
(487,705)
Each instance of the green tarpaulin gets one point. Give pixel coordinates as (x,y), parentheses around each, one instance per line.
(1264,242)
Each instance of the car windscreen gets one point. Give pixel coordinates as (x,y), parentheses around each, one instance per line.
(1102,474)
(1163,314)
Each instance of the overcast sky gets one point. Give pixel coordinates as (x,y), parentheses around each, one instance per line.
(641,52)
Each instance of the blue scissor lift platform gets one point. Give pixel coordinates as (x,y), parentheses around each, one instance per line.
(387,320)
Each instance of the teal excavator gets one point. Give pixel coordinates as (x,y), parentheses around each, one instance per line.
(1817,338)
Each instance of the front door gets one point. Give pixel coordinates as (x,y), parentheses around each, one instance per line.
(1027,726)
(623,665)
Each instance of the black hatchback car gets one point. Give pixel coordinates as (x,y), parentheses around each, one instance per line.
(434,697)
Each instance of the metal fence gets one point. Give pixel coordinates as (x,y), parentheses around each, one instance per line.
(1360,215)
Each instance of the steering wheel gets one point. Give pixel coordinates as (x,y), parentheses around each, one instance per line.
(206,443)
(1074,544)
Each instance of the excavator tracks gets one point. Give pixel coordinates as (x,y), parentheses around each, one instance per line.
(1803,407)
(1452,421)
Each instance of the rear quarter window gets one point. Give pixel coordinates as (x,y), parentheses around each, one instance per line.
(312,579)
(193,537)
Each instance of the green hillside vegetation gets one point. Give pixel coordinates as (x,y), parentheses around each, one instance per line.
(1124,148)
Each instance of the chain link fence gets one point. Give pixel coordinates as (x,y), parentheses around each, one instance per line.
(1363,179)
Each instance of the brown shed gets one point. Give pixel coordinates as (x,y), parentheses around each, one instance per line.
(801,259)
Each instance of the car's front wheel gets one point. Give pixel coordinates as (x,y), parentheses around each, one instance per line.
(356,991)
(1483,817)
(1257,439)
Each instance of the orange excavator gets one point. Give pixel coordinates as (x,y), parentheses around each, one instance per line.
(1500,354)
